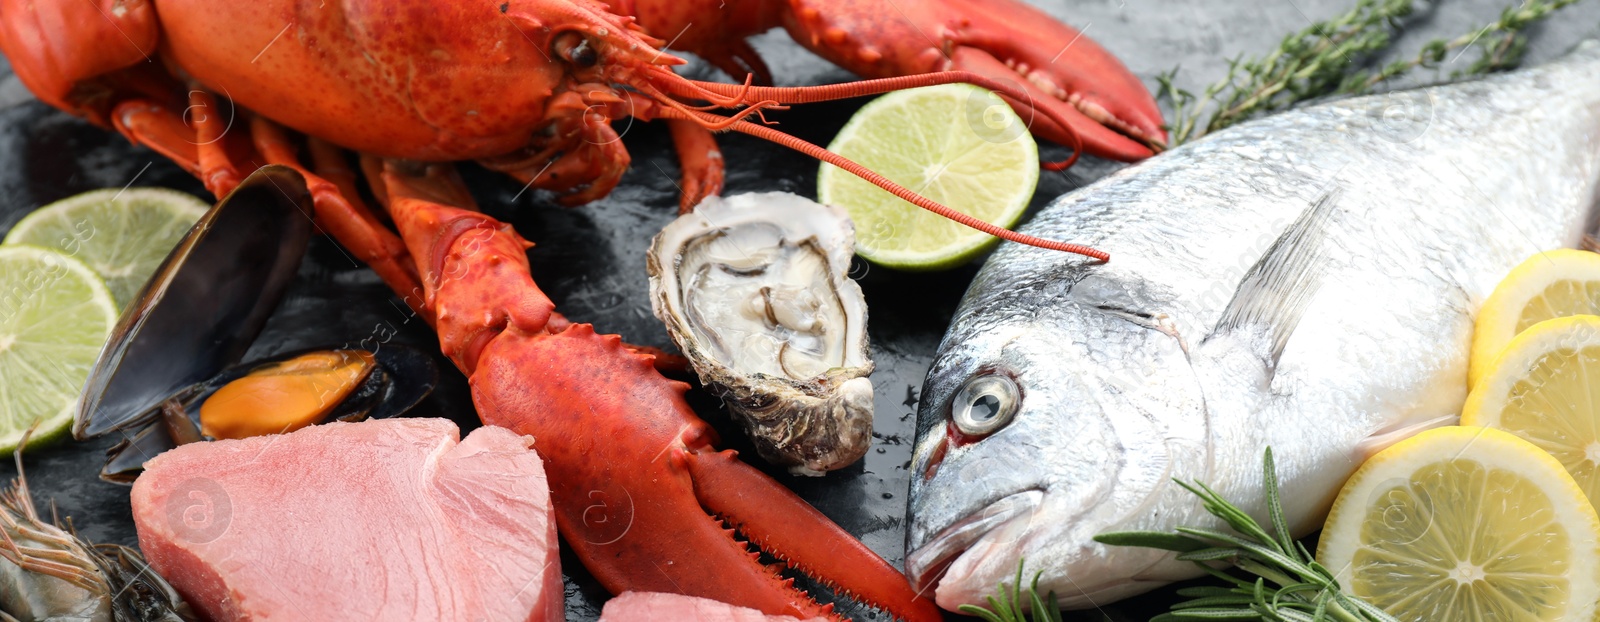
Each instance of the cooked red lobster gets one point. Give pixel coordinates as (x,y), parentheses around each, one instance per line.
(530,88)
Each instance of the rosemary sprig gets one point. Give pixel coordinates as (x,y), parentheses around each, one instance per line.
(1327,59)
(1006,604)
(1289,584)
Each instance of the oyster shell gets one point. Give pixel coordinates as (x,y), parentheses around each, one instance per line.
(754,289)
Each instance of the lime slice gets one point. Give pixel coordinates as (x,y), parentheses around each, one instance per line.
(123,235)
(55,314)
(957,144)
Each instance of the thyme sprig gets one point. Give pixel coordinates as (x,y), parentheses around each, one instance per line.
(1289,584)
(1329,58)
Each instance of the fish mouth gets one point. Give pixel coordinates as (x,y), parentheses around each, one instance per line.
(927,565)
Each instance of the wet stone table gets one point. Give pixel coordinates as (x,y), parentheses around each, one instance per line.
(590,260)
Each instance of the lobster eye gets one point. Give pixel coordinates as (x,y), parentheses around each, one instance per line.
(985,404)
(574,48)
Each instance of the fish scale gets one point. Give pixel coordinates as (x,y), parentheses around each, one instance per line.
(1306,281)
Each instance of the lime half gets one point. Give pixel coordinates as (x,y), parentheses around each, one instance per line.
(55,314)
(957,144)
(123,235)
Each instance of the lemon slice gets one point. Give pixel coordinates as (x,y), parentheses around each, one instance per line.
(1464,523)
(55,314)
(957,144)
(1549,285)
(1542,388)
(123,235)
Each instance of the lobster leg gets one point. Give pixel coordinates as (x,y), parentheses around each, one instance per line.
(715,33)
(330,163)
(737,58)
(344,218)
(144,122)
(624,452)
(648,109)
(203,144)
(218,146)
(701,161)
(199,139)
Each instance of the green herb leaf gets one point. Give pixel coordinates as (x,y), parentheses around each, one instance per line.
(1152,540)
(1007,603)
(1329,58)
(1289,585)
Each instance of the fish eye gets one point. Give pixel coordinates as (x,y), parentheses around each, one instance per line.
(574,48)
(985,404)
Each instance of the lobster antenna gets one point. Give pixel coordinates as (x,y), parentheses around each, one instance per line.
(769,134)
(692,89)
(759,131)
(768,95)
(759,97)
(713,122)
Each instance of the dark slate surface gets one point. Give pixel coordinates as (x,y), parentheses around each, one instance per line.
(591,259)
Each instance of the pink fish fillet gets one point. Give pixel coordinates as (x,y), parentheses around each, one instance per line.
(392,520)
(655,607)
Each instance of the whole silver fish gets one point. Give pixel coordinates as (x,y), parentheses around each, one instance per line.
(1306,282)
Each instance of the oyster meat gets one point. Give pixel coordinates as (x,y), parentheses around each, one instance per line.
(755,290)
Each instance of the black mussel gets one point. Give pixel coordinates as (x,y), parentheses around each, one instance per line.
(125,460)
(170,373)
(281,394)
(204,306)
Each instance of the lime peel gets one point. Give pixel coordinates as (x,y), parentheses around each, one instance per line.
(123,235)
(957,144)
(55,314)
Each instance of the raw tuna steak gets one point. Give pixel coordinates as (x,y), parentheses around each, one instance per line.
(393,519)
(654,606)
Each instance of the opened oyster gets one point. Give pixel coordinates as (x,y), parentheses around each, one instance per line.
(754,289)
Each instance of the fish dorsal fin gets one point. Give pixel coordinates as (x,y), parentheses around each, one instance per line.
(1274,293)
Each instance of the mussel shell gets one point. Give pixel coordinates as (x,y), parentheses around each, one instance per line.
(204,306)
(414,375)
(402,377)
(125,460)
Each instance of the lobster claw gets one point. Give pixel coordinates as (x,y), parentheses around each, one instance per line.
(1105,104)
(639,491)
(784,525)
(643,497)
